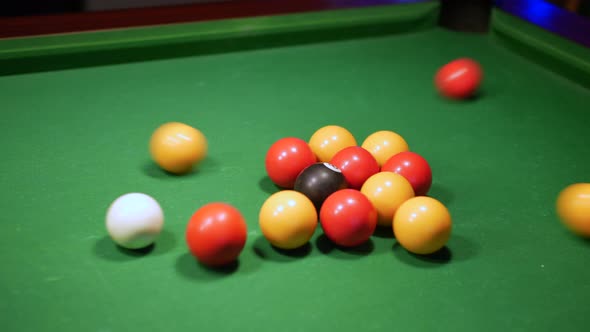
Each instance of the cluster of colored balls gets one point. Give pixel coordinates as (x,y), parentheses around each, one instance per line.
(350,190)
(215,234)
(328,180)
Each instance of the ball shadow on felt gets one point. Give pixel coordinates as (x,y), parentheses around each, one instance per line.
(266,184)
(107,249)
(383,232)
(151,169)
(190,268)
(329,248)
(264,250)
(436,259)
(458,249)
(441,193)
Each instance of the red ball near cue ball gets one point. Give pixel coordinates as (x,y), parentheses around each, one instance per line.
(459,79)
(286,158)
(357,165)
(348,218)
(414,168)
(216,234)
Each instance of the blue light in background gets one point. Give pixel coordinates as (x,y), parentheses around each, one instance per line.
(550,17)
(539,11)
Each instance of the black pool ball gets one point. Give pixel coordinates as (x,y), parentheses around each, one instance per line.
(318,181)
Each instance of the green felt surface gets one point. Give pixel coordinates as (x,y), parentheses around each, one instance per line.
(74,140)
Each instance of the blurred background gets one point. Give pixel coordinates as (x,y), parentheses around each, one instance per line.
(32,7)
(579,6)
(568,18)
(13,8)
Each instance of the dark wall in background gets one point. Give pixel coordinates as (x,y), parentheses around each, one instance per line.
(36,7)
(466,15)
(25,8)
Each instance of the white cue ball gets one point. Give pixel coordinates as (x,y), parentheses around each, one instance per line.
(134,220)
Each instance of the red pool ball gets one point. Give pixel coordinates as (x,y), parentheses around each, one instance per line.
(414,168)
(216,234)
(348,218)
(286,158)
(459,79)
(356,164)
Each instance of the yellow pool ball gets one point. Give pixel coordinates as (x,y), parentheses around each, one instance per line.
(384,144)
(329,140)
(288,219)
(387,191)
(573,208)
(422,225)
(177,147)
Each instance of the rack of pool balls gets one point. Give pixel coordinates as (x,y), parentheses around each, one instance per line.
(328,180)
(350,190)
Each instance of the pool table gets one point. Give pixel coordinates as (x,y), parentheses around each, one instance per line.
(78,110)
